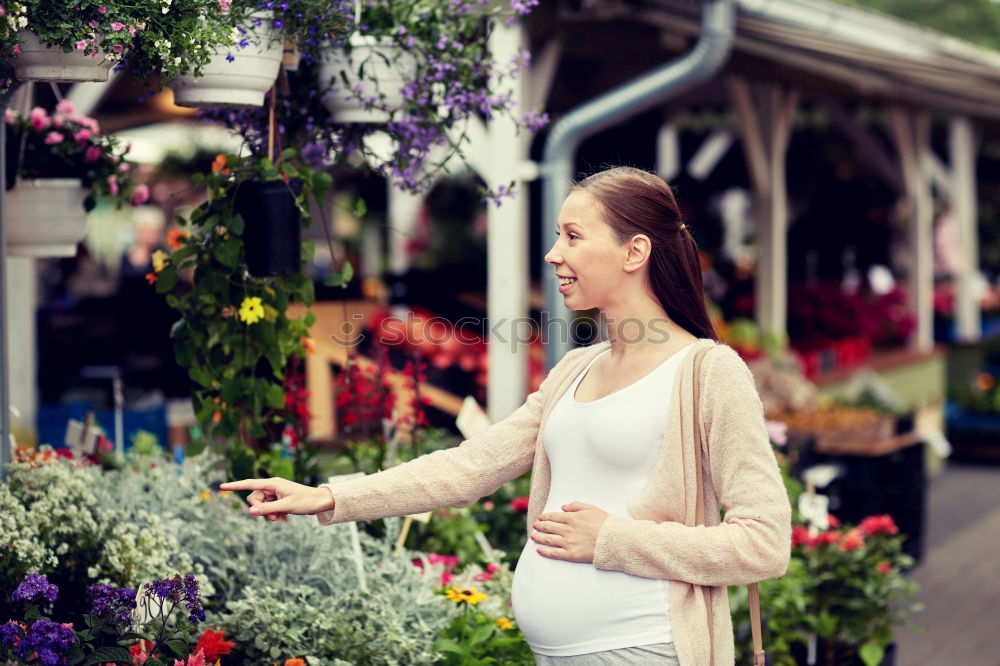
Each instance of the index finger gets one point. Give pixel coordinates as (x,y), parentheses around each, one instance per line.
(247,484)
(555,517)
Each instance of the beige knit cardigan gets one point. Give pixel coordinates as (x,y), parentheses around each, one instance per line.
(661,539)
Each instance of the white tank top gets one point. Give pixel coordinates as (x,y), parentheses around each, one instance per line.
(601,452)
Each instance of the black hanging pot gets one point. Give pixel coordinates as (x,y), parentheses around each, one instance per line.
(272,231)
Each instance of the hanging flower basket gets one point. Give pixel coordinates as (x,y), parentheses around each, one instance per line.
(38,62)
(234,77)
(366,79)
(45,217)
(272,228)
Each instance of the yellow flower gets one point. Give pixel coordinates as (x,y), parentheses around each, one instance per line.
(466,595)
(205,495)
(504,623)
(225,493)
(251,310)
(159,260)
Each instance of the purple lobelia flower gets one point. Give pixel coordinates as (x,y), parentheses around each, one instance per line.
(112,604)
(35,586)
(50,641)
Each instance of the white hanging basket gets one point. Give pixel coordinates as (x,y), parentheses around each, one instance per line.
(385,65)
(45,217)
(240,83)
(38,62)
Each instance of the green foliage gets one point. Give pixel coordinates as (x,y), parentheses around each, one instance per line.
(237,336)
(977,21)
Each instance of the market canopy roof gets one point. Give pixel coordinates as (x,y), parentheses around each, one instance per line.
(830,47)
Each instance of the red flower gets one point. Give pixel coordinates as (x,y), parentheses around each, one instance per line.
(519,504)
(826,538)
(832,521)
(883,567)
(852,540)
(151,278)
(800,536)
(212,643)
(883,524)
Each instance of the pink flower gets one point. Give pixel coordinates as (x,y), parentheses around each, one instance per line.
(17,49)
(92,155)
(81,45)
(131,30)
(224,5)
(777,432)
(92,24)
(9,116)
(82,136)
(883,567)
(117,48)
(102,9)
(445,578)
(53,138)
(113,185)
(117,26)
(141,194)
(447,561)
(39,119)
(65,106)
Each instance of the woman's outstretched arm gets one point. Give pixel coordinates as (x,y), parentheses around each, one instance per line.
(452,477)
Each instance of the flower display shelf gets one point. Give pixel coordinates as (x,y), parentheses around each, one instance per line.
(38,62)
(381,63)
(45,217)
(239,78)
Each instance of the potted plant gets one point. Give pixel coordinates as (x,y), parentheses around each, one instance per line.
(160,39)
(235,335)
(453,80)
(845,591)
(58,165)
(240,72)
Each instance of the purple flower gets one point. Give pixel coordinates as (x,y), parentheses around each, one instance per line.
(49,640)
(112,604)
(177,589)
(35,586)
(9,633)
(534,120)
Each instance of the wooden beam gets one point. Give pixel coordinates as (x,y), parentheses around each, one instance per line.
(962,151)
(872,147)
(911,131)
(766,126)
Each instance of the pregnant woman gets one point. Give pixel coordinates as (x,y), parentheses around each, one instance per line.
(618,569)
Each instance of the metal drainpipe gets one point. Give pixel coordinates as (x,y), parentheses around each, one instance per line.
(718,22)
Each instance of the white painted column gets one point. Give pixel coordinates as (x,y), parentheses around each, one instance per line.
(911,133)
(507,244)
(963,171)
(22,377)
(401,214)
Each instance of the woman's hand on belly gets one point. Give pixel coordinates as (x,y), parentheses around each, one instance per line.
(570,534)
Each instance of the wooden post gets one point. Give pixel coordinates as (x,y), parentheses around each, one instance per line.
(765,144)
(911,131)
(963,172)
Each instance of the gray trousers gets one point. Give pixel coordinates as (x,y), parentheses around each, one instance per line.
(660,654)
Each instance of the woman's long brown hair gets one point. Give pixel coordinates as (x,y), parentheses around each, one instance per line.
(638,202)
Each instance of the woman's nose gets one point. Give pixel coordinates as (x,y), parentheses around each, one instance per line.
(552,256)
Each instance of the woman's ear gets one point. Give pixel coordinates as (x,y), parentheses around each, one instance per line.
(639,247)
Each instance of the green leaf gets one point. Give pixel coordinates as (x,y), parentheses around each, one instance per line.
(871,653)
(275,396)
(178,647)
(334,279)
(182,253)
(481,633)
(241,462)
(108,654)
(826,624)
(360,207)
(227,252)
(289,153)
(236,224)
(308,249)
(281,467)
(195,447)
(321,183)
(448,645)
(166,279)
(309,319)
(347,270)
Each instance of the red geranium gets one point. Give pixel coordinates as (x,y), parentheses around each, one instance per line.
(883,524)
(213,645)
(519,504)
(852,540)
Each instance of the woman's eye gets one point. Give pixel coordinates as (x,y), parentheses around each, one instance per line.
(573,236)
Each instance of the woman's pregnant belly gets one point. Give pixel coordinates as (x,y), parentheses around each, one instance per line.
(565,608)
